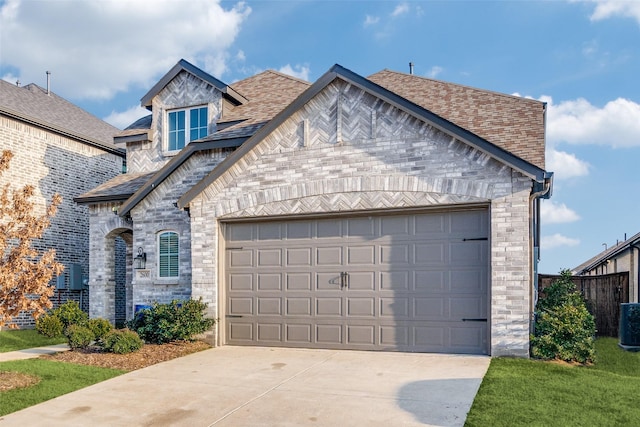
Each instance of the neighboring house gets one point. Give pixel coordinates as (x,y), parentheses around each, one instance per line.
(385,213)
(58,148)
(623,257)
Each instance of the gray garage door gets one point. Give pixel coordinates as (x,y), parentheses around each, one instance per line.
(389,282)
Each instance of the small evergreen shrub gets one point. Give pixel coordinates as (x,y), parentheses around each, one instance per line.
(122,341)
(78,337)
(70,313)
(99,327)
(49,326)
(178,320)
(564,328)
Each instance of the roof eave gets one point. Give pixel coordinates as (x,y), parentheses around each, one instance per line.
(84,139)
(101,199)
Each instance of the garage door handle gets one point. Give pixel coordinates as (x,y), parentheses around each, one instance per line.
(233,316)
(474,320)
(344,279)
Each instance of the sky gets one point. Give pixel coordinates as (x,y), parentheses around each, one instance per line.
(581,57)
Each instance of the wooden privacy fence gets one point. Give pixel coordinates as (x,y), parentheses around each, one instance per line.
(603,294)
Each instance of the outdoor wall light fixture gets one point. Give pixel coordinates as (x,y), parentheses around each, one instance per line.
(140,261)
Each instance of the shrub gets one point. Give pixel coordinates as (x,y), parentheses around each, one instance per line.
(564,328)
(99,327)
(49,326)
(70,313)
(178,320)
(78,336)
(122,341)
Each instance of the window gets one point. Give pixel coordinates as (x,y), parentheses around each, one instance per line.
(168,252)
(185,126)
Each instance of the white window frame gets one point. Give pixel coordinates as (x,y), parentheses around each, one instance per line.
(187,125)
(160,255)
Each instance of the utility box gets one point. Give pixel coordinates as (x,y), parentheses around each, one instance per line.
(75,277)
(61,280)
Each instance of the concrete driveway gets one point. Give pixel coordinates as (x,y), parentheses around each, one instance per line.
(256,386)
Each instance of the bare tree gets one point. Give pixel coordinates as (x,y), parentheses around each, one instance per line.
(24,273)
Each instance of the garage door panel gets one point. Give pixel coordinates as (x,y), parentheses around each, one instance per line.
(396,282)
(269,282)
(270,332)
(329,334)
(329,256)
(240,258)
(298,306)
(241,282)
(269,306)
(361,307)
(395,308)
(361,255)
(329,307)
(299,257)
(361,281)
(298,281)
(298,333)
(394,255)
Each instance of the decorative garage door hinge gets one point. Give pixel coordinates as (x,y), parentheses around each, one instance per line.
(475,239)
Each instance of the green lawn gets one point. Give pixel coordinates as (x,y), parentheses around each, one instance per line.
(19,339)
(520,392)
(56,378)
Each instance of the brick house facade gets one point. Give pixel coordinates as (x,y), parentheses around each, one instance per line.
(61,148)
(388,213)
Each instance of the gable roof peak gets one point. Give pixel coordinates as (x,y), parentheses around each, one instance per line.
(184,65)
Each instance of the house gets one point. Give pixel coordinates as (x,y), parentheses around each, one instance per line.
(391,213)
(58,147)
(622,257)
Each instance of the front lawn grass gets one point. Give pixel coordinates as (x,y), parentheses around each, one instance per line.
(520,392)
(19,339)
(56,378)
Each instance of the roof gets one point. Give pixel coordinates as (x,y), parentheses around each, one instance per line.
(493,116)
(606,255)
(119,188)
(337,71)
(183,65)
(33,105)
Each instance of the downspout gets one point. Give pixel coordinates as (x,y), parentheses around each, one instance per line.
(542,193)
(633,246)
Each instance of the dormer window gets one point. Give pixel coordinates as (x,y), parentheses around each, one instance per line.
(186,125)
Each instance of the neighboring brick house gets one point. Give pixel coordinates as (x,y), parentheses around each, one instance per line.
(622,257)
(385,213)
(58,148)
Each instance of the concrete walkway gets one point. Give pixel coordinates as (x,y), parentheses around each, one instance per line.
(256,386)
(30,353)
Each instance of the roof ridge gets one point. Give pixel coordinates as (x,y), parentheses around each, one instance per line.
(476,89)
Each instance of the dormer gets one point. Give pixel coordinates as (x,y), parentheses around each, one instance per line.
(185,106)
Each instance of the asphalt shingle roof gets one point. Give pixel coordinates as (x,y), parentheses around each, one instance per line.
(512,123)
(32,103)
(119,188)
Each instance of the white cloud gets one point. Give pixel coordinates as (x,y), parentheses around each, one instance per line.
(617,124)
(240,56)
(371,20)
(96,49)
(298,71)
(565,165)
(400,9)
(434,71)
(123,119)
(556,213)
(557,240)
(610,8)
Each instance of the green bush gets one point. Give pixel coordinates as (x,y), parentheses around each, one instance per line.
(99,327)
(122,341)
(78,337)
(564,328)
(49,326)
(178,320)
(70,313)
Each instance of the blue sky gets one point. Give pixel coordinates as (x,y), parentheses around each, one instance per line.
(581,57)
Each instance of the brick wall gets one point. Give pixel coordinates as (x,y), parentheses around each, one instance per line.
(53,163)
